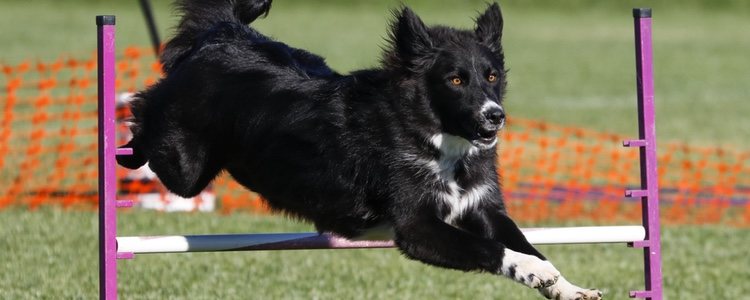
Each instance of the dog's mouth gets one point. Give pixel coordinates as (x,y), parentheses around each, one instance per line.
(485,135)
(485,138)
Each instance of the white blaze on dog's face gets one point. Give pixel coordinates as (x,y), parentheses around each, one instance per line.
(463,71)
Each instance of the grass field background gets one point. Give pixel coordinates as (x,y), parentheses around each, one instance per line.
(51,254)
(571,62)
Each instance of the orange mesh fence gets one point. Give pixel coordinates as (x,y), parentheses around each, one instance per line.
(558,172)
(48,155)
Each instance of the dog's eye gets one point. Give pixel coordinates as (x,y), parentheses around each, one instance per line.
(492,77)
(456,81)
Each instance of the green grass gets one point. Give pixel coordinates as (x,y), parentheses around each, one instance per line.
(51,254)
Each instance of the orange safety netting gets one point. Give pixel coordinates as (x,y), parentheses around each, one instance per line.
(48,155)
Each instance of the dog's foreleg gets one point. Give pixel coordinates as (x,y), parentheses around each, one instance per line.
(491,222)
(428,239)
(527,259)
(564,290)
(529,269)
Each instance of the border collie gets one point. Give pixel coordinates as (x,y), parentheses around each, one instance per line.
(407,148)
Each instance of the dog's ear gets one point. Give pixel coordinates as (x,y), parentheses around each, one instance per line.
(489,29)
(411,43)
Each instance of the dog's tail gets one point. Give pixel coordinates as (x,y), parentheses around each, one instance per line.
(199,16)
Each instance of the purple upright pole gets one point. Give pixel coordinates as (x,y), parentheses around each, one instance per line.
(649,191)
(107,180)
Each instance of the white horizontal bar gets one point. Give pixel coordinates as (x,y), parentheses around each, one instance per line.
(200,243)
(585,235)
(240,242)
(282,241)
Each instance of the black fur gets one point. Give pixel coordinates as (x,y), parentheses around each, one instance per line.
(347,152)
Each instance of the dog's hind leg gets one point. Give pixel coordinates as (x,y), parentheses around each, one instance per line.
(184,162)
(135,160)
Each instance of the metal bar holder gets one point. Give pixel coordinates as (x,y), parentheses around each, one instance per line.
(108,203)
(646,142)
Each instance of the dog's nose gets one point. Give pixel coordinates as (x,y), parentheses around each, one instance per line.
(495,115)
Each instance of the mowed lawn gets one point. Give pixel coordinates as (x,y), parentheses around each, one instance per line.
(51,254)
(569,63)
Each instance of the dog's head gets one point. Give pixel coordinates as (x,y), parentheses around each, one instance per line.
(462,72)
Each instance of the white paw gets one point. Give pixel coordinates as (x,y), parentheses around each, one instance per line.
(528,269)
(564,290)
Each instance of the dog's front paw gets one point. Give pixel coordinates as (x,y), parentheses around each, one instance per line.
(529,270)
(564,290)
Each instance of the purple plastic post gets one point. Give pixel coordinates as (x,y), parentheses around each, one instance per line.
(649,173)
(107,150)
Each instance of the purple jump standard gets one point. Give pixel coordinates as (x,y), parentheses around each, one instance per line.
(649,192)
(107,150)
(112,248)
(106,137)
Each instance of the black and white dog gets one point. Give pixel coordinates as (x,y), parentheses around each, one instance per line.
(407,148)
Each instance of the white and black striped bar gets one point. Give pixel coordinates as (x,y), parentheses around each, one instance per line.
(300,241)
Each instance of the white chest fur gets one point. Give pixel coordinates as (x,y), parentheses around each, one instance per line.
(459,200)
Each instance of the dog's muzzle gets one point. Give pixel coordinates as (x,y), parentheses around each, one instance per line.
(492,120)
(495,117)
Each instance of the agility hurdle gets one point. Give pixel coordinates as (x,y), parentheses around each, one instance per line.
(113,248)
